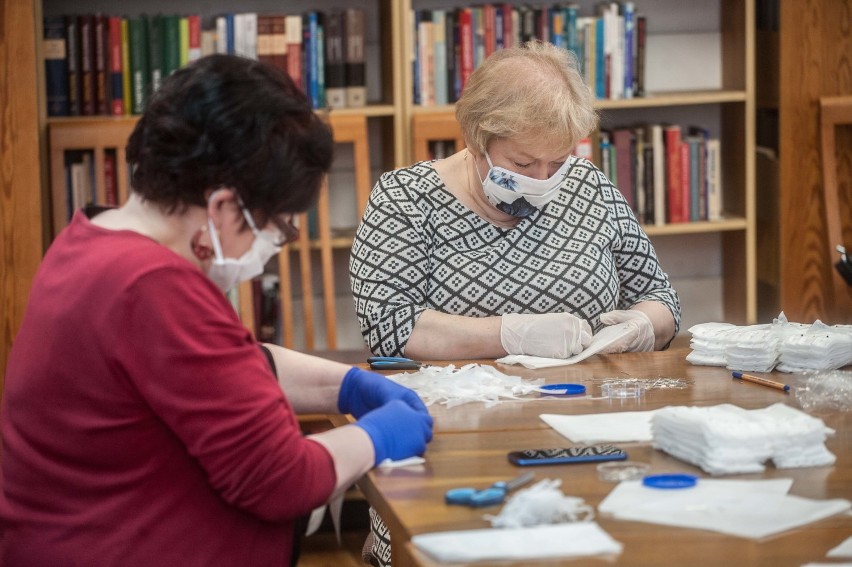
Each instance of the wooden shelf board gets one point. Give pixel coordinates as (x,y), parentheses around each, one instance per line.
(697,227)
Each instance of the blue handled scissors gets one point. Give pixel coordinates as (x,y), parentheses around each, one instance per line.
(393,363)
(494,494)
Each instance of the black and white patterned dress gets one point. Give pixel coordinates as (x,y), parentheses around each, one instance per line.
(419,248)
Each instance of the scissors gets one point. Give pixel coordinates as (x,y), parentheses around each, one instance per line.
(393,363)
(494,494)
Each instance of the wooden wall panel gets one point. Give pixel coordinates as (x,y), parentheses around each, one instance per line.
(20,180)
(815,61)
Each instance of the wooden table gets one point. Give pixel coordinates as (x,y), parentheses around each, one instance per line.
(471,442)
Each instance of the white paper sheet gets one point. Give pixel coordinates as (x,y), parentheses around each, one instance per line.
(747,508)
(842,550)
(538,542)
(619,427)
(605,337)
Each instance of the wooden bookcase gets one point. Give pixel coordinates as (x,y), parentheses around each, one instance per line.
(393,118)
(732,107)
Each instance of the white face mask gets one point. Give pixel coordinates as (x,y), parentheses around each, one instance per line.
(228,272)
(519,195)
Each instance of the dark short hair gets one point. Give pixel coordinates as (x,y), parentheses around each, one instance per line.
(226,121)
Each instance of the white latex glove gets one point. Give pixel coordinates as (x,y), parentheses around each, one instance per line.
(553,335)
(640,340)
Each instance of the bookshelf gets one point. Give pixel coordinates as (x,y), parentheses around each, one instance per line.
(706,259)
(687,41)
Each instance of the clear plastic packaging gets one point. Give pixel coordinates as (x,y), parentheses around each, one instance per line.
(623,389)
(827,390)
(624,470)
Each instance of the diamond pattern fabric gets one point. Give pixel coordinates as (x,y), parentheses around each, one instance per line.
(419,248)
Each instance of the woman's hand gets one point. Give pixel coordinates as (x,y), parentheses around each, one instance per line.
(552,335)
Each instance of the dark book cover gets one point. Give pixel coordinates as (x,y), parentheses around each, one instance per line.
(72,39)
(335,62)
(139,73)
(356,77)
(87,65)
(102,85)
(55,49)
(171,44)
(116,66)
(155,51)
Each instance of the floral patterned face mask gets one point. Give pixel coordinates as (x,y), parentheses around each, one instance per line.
(519,195)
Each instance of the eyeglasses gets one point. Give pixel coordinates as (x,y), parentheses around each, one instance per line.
(287,231)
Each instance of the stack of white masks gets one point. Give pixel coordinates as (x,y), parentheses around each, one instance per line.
(726,439)
(791,347)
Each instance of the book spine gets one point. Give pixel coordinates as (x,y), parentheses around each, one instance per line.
(714,180)
(335,68)
(72,38)
(264,39)
(110,180)
(695,179)
(140,77)
(194,33)
(451,33)
(278,41)
(489,37)
(621,139)
(439,56)
(660,179)
(171,44)
(425,56)
(685,181)
(116,67)
(639,66)
(674,191)
(155,51)
(87,65)
(466,43)
(54,47)
(102,65)
(294,49)
(629,32)
(416,63)
(126,73)
(356,79)
(183,40)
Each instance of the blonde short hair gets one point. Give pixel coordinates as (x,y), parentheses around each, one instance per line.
(529,92)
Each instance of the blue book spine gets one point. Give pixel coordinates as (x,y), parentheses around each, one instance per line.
(629,32)
(313,64)
(600,59)
(229,30)
(569,20)
(55,66)
(499,38)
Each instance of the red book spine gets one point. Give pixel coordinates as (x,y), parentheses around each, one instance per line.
(489,17)
(466,36)
(116,67)
(685,182)
(673,174)
(194,25)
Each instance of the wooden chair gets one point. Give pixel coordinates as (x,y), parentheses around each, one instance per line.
(426,128)
(98,135)
(835,111)
(348,129)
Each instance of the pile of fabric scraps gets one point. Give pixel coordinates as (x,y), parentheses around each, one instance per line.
(727,439)
(827,390)
(470,383)
(541,503)
(787,346)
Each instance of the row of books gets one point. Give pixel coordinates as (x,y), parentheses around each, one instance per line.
(450,44)
(667,173)
(80,180)
(97,64)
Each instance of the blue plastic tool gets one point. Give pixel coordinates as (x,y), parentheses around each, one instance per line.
(494,494)
(393,363)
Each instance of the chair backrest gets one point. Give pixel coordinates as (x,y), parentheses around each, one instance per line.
(348,129)
(836,111)
(98,136)
(428,128)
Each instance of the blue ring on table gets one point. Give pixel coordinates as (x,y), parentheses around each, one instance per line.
(563,390)
(670,481)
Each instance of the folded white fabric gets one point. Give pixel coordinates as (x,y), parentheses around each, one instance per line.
(743,508)
(791,347)
(619,427)
(606,337)
(727,439)
(538,542)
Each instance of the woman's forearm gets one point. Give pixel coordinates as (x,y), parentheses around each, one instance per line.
(311,384)
(662,320)
(441,336)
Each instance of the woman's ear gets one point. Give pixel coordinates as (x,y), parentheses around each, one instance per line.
(218,202)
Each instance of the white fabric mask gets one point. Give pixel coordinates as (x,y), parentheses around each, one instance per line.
(519,195)
(228,272)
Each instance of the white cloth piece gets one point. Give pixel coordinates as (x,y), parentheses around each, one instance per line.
(409,462)
(605,338)
(742,508)
(540,542)
(541,503)
(619,427)
(842,550)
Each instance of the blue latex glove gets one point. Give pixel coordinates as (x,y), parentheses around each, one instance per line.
(362,391)
(397,430)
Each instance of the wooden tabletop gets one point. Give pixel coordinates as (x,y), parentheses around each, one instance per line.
(471,443)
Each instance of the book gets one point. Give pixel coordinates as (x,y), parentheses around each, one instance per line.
(583,149)
(194,51)
(87,65)
(139,74)
(110,179)
(622,141)
(245,35)
(126,73)
(171,44)
(54,47)
(102,64)
(155,47)
(695,151)
(183,40)
(222,34)
(278,42)
(452,47)
(72,39)
(439,57)
(674,175)
(465,18)
(685,176)
(264,39)
(356,78)
(649,181)
(335,61)
(293,26)
(425,58)
(116,66)
(714,180)
(658,148)
(628,43)
(310,21)
(639,56)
